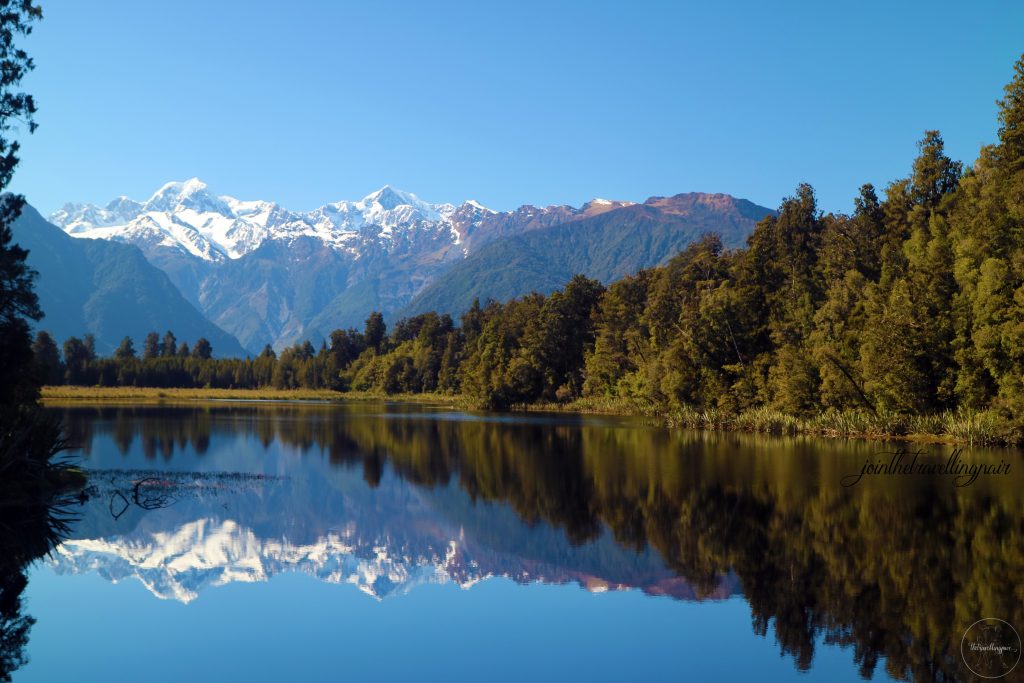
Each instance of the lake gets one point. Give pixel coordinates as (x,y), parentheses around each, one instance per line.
(323,542)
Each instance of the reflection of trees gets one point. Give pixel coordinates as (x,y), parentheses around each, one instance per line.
(27,532)
(894,569)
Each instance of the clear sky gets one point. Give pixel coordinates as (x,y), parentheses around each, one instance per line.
(307,102)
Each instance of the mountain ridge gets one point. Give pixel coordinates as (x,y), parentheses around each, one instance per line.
(605,246)
(269,275)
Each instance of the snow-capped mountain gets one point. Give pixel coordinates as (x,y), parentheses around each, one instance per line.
(264,272)
(189,217)
(267,274)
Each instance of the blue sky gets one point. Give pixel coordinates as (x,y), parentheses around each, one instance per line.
(522,102)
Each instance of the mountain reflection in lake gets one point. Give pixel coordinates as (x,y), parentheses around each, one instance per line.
(876,580)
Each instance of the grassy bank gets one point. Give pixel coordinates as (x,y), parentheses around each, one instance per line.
(62,394)
(977,428)
(52,395)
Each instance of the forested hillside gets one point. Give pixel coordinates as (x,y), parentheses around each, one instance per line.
(606,247)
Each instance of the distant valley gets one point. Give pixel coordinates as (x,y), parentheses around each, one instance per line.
(264,274)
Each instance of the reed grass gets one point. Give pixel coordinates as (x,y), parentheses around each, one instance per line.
(976,428)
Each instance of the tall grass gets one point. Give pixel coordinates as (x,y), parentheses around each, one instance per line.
(976,428)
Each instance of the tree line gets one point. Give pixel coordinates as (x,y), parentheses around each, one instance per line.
(912,304)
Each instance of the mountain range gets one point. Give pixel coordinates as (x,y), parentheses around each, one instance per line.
(265,274)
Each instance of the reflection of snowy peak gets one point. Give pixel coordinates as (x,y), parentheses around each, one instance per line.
(188,217)
(170,530)
(180,563)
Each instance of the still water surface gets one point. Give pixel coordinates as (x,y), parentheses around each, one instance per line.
(286,542)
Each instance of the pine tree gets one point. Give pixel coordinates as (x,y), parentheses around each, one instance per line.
(76,361)
(169,346)
(203,349)
(375,332)
(151,347)
(125,350)
(987,235)
(47,357)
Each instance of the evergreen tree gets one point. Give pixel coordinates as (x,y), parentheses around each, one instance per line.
(203,349)
(89,342)
(76,361)
(987,233)
(346,345)
(785,253)
(169,346)
(125,350)
(621,343)
(375,332)
(47,357)
(916,300)
(151,347)
(1009,153)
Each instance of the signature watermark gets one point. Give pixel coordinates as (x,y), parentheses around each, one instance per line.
(991,648)
(904,463)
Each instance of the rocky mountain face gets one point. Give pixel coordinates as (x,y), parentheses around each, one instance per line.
(269,275)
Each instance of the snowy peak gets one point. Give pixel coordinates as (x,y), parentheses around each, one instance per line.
(190,194)
(187,217)
(474,204)
(389,197)
(392,208)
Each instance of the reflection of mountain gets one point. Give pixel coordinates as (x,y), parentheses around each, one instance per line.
(895,568)
(386,543)
(178,564)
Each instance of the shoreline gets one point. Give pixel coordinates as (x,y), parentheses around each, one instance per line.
(954,428)
(51,395)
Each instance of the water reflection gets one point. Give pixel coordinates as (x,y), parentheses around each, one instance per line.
(387,497)
(29,529)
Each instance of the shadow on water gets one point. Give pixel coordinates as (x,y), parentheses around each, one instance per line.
(895,567)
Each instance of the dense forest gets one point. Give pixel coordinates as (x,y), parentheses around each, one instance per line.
(911,305)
